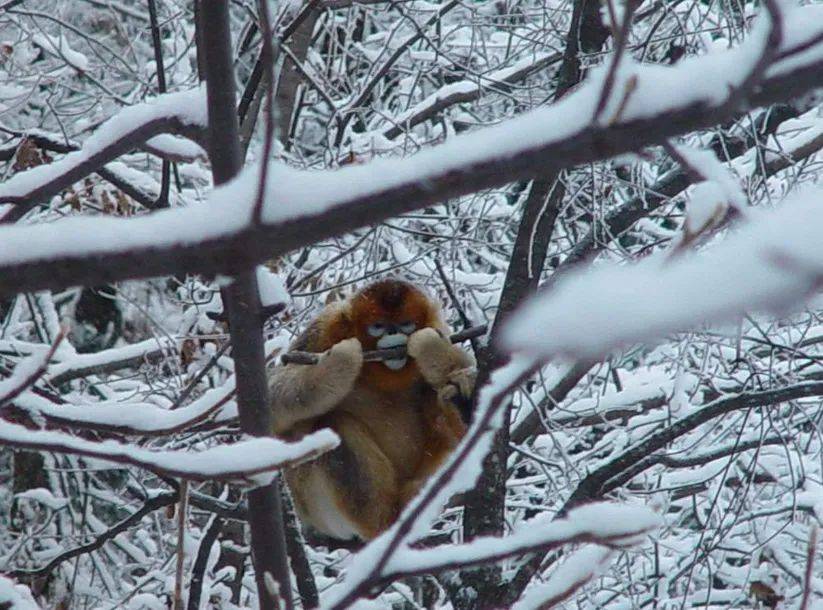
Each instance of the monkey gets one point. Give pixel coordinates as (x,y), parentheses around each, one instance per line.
(398,420)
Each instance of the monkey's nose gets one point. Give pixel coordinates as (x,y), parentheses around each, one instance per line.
(393,340)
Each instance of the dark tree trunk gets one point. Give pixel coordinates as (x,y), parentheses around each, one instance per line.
(242,301)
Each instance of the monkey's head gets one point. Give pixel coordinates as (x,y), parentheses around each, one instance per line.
(384,314)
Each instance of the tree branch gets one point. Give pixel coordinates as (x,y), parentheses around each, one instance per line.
(228,250)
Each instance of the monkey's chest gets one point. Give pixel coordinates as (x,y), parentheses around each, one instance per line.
(396,426)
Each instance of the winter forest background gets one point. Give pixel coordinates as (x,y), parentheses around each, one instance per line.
(649,426)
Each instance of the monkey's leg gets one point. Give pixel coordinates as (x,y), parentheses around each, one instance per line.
(352,489)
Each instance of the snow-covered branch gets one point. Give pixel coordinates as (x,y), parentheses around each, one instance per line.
(138,419)
(304,207)
(182,113)
(773,263)
(250,460)
(609,525)
(578,569)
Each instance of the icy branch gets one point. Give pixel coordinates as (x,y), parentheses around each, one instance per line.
(304,207)
(182,112)
(244,460)
(773,263)
(609,525)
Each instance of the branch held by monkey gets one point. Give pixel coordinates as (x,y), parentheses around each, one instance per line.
(379,355)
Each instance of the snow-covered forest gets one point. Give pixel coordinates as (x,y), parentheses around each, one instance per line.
(627,193)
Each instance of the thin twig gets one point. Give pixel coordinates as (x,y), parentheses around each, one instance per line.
(198,572)
(808,585)
(182,512)
(34,375)
(379,355)
(621,38)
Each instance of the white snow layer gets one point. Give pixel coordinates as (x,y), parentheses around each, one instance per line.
(292,194)
(771,263)
(15,597)
(243,459)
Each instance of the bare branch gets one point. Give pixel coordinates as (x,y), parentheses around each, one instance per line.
(151,504)
(260,455)
(379,355)
(229,249)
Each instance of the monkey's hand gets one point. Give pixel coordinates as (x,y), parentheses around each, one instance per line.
(448,369)
(340,365)
(302,392)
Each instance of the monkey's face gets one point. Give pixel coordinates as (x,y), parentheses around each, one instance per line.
(385,314)
(392,334)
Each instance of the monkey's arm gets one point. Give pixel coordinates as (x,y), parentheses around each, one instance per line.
(446,367)
(298,392)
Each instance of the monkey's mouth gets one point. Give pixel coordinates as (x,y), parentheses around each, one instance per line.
(395,340)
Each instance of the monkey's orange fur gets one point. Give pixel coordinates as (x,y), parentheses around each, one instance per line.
(396,426)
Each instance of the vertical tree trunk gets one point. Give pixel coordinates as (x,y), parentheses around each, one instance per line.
(242,302)
(484,512)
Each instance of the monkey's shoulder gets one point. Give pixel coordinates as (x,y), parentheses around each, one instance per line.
(332,325)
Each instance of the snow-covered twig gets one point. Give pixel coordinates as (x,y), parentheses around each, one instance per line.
(247,460)
(772,263)
(468,91)
(304,207)
(27,373)
(182,112)
(608,525)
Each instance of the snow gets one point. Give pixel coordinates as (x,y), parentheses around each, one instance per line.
(175,147)
(14,596)
(59,46)
(769,264)
(243,459)
(709,200)
(44,497)
(292,194)
(617,524)
(24,371)
(77,363)
(272,288)
(580,567)
(189,107)
(136,417)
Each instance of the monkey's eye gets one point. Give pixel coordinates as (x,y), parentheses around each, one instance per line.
(376,330)
(407,328)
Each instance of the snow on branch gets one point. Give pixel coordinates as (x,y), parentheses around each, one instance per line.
(468,90)
(252,460)
(605,524)
(773,263)
(76,365)
(130,128)
(14,596)
(303,207)
(138,419)
(578,569)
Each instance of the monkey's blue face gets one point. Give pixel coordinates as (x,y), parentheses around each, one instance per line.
(389,334)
